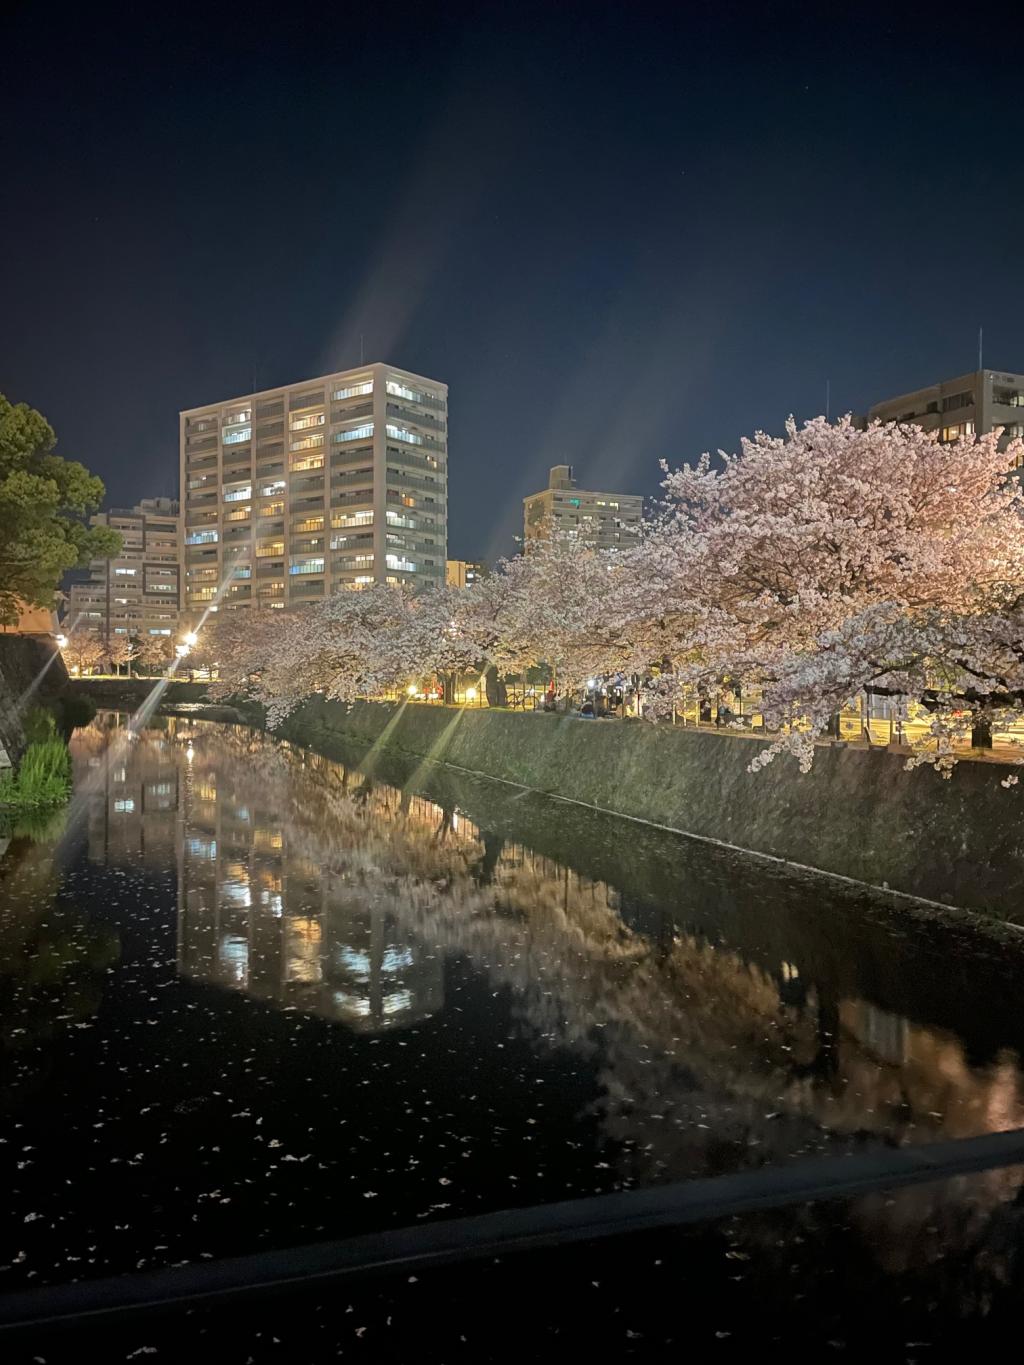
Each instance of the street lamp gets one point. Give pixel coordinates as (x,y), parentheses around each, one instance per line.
(181,650)
(411,690)
(62,641)
(190,638)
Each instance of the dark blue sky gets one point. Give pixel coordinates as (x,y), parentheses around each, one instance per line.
(620,232)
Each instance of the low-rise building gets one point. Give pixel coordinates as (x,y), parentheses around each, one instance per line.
(610,520)
(973,404)
(462,573)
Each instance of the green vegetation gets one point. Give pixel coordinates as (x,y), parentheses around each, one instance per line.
(44,503)
(43,778)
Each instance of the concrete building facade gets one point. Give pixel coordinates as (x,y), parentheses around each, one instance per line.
(462,573)
(336,482)
(610,520)
(973,404)
(138,592)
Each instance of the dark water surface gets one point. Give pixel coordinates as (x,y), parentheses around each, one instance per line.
(255,998)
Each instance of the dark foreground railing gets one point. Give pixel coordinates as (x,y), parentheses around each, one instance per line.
(492,1234)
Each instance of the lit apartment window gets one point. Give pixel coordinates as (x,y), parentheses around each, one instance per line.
(363,579)
(310,462)
(340,520)
(234,435)
(198,538)
(354,433)
(401,563)
(954,433)
(402,391)
(308,442)
(353,390)
(128,573)
(238,494)
(315,419)
(307,566)
(269,489)
(159,630)
(272,509)
(403,434)
(276,547)
(238,415)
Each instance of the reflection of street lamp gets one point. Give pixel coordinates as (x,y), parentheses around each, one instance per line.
(62,641)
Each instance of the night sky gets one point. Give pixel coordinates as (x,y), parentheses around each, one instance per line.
(619,232)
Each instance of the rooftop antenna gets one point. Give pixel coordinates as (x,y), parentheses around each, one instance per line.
(981,336)
(828,400)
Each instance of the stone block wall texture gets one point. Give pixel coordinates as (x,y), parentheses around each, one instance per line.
(22,658)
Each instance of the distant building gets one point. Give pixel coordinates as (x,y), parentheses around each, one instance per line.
(32,620)
(337,482)
(136,593)
(461,573)
(972,405)
(610,520)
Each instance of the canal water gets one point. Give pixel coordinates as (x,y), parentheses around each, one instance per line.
(253,997)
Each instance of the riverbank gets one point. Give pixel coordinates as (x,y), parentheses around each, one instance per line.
(858,814)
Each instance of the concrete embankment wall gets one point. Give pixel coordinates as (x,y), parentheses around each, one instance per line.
(22,659)
(859,814)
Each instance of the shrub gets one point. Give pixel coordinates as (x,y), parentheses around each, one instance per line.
(43,779)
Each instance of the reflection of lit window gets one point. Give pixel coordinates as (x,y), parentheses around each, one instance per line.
(397,1002)
(233,955)
(202,848)
(352,1004)
(357,963)
(124,807)
(396,958)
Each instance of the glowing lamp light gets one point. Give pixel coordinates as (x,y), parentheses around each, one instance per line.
(471,694)
(411,690)
(190,638)
(181,650)
(591,683)
(62,641)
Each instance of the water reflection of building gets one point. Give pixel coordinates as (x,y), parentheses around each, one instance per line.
(254,914)
(301,883)
(257,915)
(132,794)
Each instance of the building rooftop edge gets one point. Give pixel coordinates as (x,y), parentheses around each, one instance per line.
(317,379)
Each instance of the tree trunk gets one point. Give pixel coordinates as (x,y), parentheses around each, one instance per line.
(497,695)
(981,732)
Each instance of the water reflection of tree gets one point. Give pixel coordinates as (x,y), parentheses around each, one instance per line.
(707,1061)
(686,1030)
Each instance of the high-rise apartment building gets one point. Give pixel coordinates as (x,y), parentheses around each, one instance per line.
(463,573)
(972,405)
(136,593)
(300,491)
(610,520)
